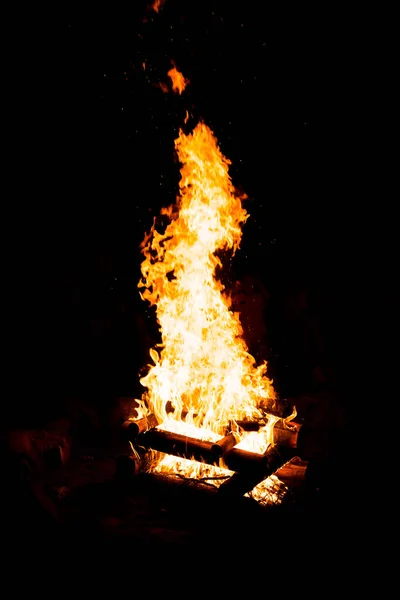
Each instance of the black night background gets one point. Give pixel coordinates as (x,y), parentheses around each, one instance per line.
(300,102)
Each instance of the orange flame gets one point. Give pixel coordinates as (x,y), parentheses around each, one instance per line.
(179,82)
(157,5)
(203,377)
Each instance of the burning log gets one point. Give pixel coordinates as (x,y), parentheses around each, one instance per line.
(237,459)
(131,429)
(226,443)
(181,446)
(285,434)
(222,454)
(245,480)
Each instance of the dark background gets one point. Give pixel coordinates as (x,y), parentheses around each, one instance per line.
(300,102)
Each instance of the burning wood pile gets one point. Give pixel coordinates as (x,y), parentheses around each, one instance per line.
(235,471)
(208,410)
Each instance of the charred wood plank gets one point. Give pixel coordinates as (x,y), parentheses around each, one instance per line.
(131,429)
(286,434)
(238,459)
(292,471)
(226,443)
(244,480)
(181,446)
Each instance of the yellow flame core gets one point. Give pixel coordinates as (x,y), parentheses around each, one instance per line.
(203,374)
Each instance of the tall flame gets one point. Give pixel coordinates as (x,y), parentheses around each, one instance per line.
(203,374)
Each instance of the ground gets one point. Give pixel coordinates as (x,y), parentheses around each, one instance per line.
(75,505)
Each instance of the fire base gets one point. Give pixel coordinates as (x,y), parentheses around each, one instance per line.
(248,468)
